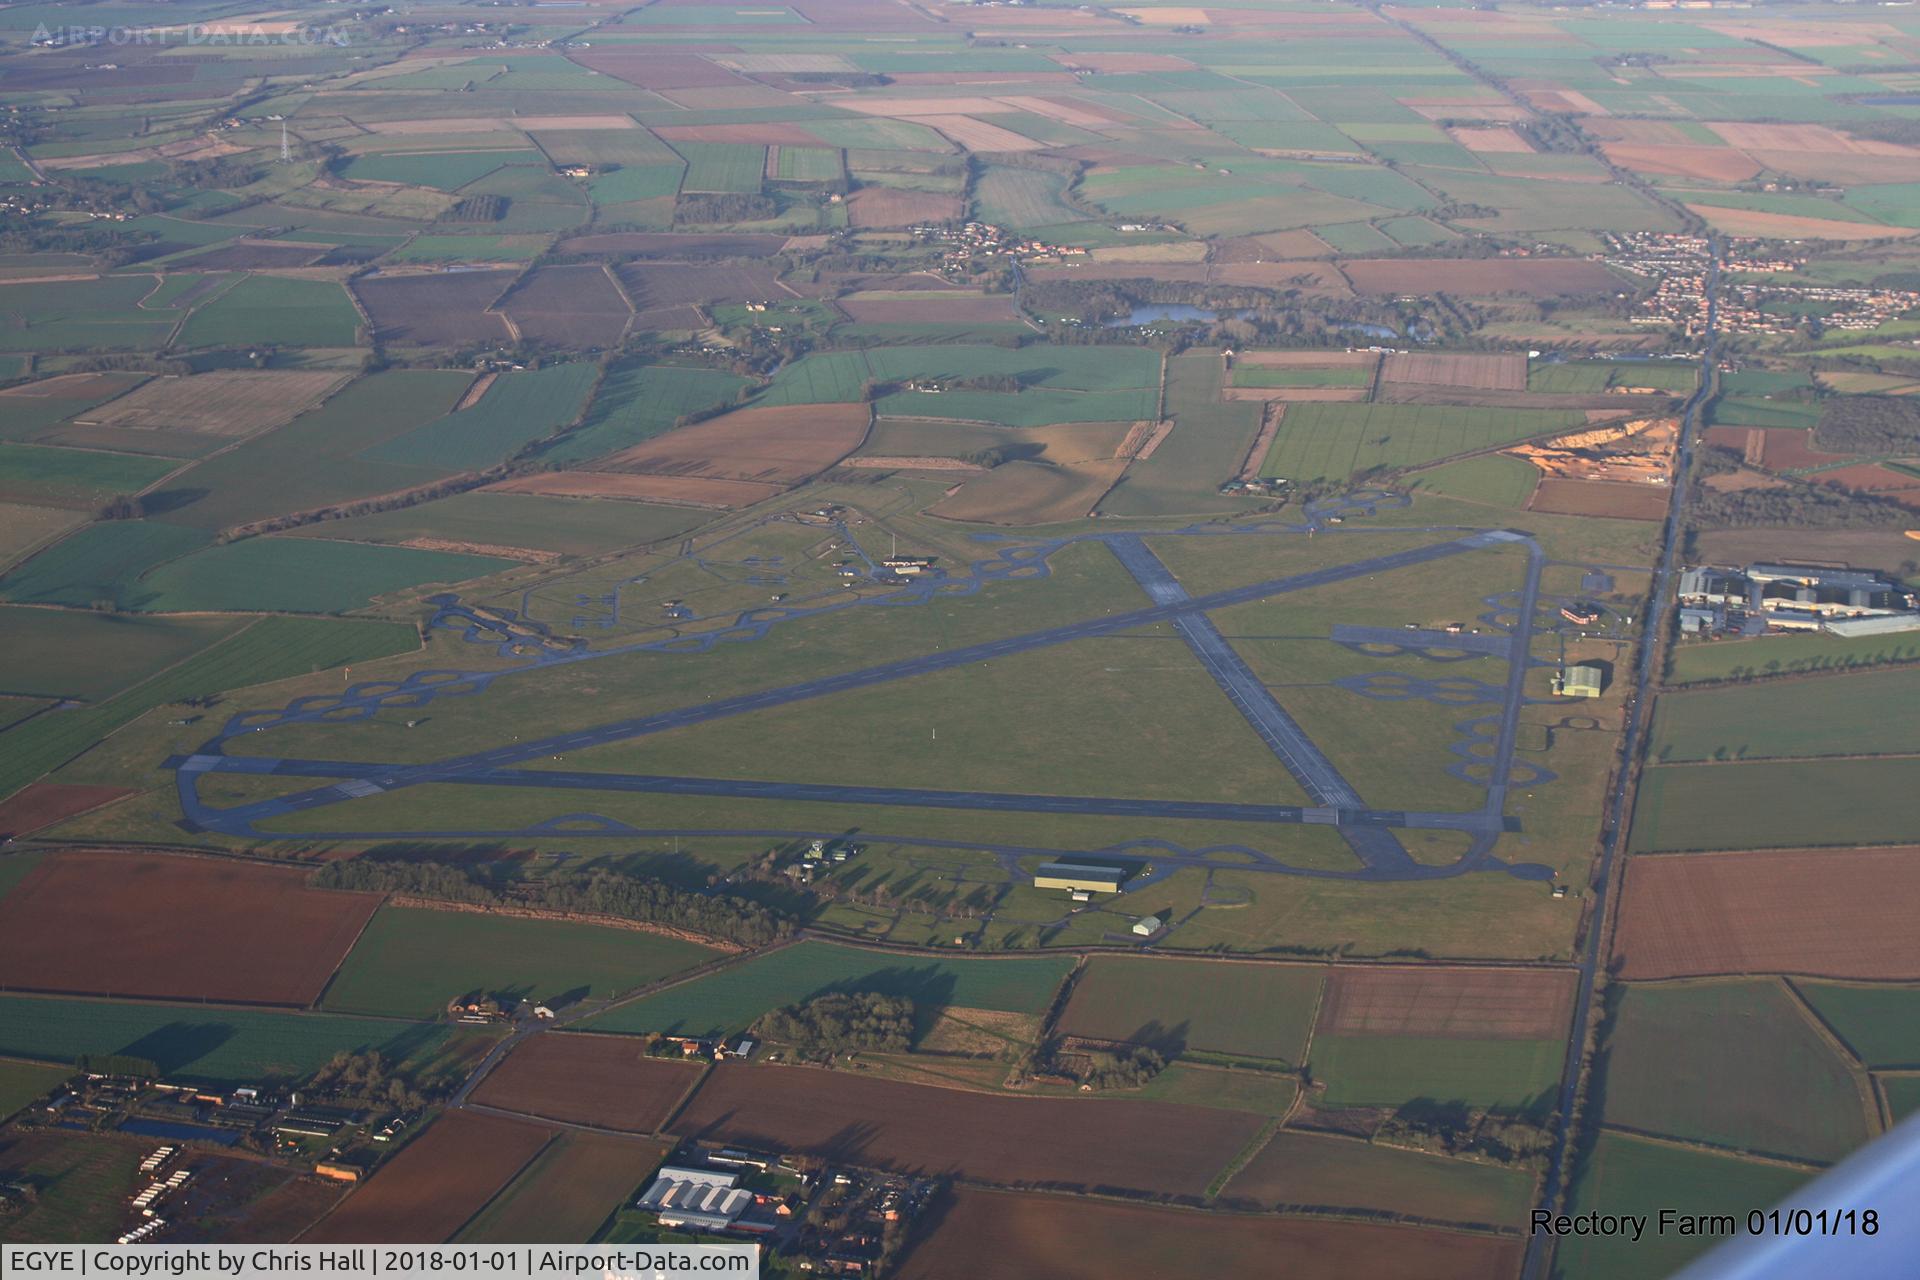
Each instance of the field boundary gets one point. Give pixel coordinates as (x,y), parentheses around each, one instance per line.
(1857,1070)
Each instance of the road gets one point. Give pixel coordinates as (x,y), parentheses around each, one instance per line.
(1539,1248)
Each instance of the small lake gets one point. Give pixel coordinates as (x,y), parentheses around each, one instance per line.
(179,1132)
(1172,313)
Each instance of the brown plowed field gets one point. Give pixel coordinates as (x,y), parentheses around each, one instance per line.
(1832,913)
(1155,1147)
(74,386)
(978,135)
(574,305)
(781,445)
(657,285)
(45,803)
(170,927)
(753,135)
(1479,372)
(679,491)
(570,1192)
(1467,1004)
(1713,164)
(888,207)
(583,1078)
(1790,448)
(1851,548)
(1274,246)
(675,244)
(1749,222)
(1601,498)
(441,309)
(1497,138)
(437,1182)
(222,403)
(1536,277)
(1019,1237)
(1305,359)
(1870,477)
(932,308)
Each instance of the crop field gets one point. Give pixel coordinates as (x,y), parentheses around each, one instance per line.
(1029,493)
(1489,1004)
(1495,479)
(667,295)
(44,804)
(575,1078)
(435,310)
(1199,1005)
(1350,376)
(560,526)
(1306,1169)
(260,309)
(226,404)
(1770,655)
(111,924)
(1334,441)
(1478,372)
(1832,913)
(876,206)
(986,1232)
(93,656)
(636,402)
(1880,1024)
(96,1176)
(1022,198)
(733,998)
(1536,278)
(410,962)
(568,1191)
(270,649)
(202,1044)
(1736,1064)
(722,166)
(303,575)
(1155,1148)
(779,445)
(1600,498)
(1625,1174)
(1828,717)
(77,478)
(1760,805)
(1388,1071)
(516,409)
(436,1183)
(569,306)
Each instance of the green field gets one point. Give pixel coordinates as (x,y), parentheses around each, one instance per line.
(409,963)
(517,409)
(1350,375)
(71,654)
(570,526)
(99,564)
(636,402)
(1321,1171)
(1840,715)
(102,314)
(95,1176)
(722,167)
(1495,479)
(302,575)
(447,170)
(1334,441)
(1763,804)
(1734,1064)
(204,1045)
(1388,1071)
(1881,1024)
(1623,1174)
(1200,1006)
(271,649)
(1210,439)
(73,477)
(275,309)
(1023,198)
(23,1082)
(314,461)
(1769,655)
(733,998)
(810,164)
(1903,1095)
(1591,377)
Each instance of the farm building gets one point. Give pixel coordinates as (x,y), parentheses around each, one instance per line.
(702,1198)
(1078,877)
(1147,926)
(1583,682)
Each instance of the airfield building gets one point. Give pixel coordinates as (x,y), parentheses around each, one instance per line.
(1079,877)
(1787,597)
(1583,682)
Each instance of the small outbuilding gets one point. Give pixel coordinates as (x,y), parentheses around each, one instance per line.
(1147,926)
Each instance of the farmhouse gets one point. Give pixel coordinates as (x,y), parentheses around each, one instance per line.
(1079,877)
